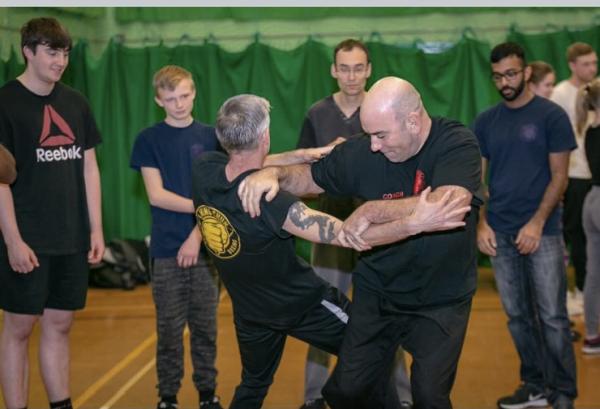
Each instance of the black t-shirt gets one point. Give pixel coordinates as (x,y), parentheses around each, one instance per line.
(256,258)
(592,151)
(323,123)
(428,269)
(48,136)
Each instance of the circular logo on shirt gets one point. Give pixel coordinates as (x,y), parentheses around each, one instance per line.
(218,234)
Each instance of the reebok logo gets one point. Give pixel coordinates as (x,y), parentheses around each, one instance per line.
(53,155)
(52,117)
(59,134)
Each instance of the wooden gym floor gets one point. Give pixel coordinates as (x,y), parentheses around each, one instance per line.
(113,343)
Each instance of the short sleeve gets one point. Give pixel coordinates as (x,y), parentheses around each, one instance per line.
(459,164)
(560,132)
(274,213)
(336,172)
(307,138)
(142,155)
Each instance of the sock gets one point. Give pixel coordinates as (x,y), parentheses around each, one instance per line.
(63,404)
(169,399)
(207,395)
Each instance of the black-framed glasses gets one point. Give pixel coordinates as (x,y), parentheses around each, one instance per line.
(509,75)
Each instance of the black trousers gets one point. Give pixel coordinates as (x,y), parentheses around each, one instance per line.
(573,232)
(261,346)
(434,338)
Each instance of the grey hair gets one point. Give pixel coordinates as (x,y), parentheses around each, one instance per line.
(241,120)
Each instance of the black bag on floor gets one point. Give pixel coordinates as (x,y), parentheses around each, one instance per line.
(124,265)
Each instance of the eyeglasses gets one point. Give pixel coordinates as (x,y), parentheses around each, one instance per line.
(346,70)
(509,75)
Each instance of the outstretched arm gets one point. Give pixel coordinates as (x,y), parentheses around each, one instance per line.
(298,156)
(296,179)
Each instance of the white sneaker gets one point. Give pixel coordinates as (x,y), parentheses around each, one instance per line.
(574,302)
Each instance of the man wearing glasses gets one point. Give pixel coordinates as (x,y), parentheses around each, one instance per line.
(329,121)
(526,140)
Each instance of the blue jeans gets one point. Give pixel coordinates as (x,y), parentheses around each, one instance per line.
(533,292)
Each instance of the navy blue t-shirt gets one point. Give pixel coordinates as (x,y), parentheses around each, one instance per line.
(517,143)
(172,150)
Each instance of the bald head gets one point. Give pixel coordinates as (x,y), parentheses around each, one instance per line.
(392,95)
(8,172)
(393,115)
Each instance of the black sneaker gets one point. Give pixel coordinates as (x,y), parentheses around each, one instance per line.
(314,404)
(524,397)
(211,404)
(166,405)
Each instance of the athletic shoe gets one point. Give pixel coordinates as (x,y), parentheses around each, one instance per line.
(591,346)
(166,405)
(211,404)
(563,403)
(314,404)
(405,405)
(525,396)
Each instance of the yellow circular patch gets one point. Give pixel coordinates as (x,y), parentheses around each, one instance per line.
(218,234)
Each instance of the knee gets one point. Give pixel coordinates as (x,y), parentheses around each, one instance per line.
(57,322)
(343,393)
(19,327)
(430,396)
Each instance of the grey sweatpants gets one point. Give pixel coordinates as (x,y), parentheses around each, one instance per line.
(185,296)
(591,290)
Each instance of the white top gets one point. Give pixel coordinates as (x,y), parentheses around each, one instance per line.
(565,95)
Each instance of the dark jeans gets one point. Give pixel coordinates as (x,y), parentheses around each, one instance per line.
(573,231)
(433,337)
(533,292)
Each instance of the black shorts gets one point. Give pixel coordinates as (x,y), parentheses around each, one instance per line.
(60,282)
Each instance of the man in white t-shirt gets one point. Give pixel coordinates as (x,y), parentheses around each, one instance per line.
(583,63)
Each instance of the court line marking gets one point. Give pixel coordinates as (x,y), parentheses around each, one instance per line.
(96,386)
(132,381)
(135,378)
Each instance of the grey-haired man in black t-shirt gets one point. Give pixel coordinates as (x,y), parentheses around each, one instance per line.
(417,291)
(274,292)
(50,216)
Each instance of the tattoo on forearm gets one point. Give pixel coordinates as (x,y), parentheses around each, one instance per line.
(326,226)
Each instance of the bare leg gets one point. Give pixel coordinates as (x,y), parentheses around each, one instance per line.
(14,362)
(54,353)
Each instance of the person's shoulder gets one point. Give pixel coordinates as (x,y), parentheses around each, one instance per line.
(451,131)
(321,105)
(209,164)
(66,91)
(11,89)
(562,86)
(548,106)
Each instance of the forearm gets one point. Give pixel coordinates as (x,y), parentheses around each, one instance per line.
(171,201)
(379,234)
(8,219)
(297,179)
(552,196)
(286,158)
(385,211)
(93,194)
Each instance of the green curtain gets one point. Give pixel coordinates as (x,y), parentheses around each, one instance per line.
(126,15)
(454,83)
